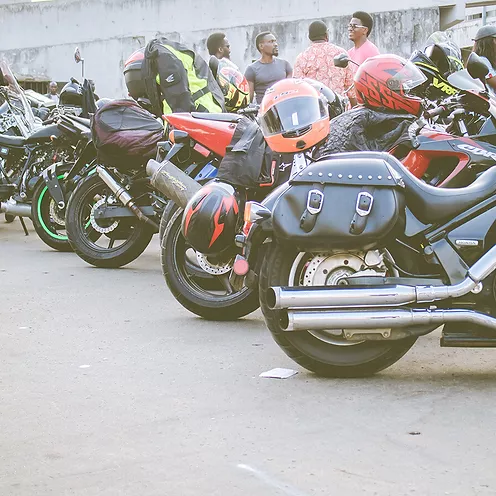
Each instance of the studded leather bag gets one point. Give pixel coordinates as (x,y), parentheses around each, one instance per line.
(340,202)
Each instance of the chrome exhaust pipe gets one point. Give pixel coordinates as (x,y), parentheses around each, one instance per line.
(10,207)
(122,195)
(383,319)
(379,296)
(172,181)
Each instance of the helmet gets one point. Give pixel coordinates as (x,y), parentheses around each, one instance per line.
(210,218)
(445,57)
(335,103)
(386,82)
(233,84)
(132,74)
(293,116)
(71,95)
(443,53)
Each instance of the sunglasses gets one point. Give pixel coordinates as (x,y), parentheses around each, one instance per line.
(355,26)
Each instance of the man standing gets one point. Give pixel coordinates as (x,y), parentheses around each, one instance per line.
(268,69)
(359,30)
(317,62)
(53,93)
(218,46)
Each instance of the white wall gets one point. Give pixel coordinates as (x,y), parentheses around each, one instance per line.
(39,38)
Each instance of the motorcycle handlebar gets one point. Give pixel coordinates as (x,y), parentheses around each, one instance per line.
(436,111)
(249,110)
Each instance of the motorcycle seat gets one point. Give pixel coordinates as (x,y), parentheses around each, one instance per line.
(431,204)
(234,118)
(15,141)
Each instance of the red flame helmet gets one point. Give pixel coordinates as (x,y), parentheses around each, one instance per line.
(210,218)
(386,81)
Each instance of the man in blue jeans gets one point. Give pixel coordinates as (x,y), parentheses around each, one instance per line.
(268,69)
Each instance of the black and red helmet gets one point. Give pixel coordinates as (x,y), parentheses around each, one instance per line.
(210,218)
(385,82)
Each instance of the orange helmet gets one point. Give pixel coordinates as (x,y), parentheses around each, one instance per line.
(293,116)
(385,82)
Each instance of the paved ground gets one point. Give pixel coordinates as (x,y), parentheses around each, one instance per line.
(109,387)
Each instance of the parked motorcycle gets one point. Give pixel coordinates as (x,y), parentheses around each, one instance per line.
(56,183)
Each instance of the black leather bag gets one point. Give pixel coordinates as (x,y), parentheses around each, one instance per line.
(340,203)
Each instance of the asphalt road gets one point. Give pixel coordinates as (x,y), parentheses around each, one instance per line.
(109,387)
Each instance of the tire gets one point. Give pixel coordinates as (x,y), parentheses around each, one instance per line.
(319,356)
(48,220)
(194,289)
(164,220)
(9,218)
(135,234)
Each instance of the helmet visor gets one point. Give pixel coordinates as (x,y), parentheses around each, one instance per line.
(407,78)
(293,116)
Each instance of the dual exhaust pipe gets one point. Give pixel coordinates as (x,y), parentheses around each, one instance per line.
(376,307)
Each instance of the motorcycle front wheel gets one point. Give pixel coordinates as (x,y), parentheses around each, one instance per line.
(326,353)
(107,243)
(202,293)
(48,219)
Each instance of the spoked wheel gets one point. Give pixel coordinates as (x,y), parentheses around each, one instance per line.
(105,242)
(199,283)
(328,352)
(49,219)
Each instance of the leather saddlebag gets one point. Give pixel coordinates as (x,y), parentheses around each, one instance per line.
(349,203)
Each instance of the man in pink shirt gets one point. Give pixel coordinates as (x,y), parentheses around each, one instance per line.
(359,29)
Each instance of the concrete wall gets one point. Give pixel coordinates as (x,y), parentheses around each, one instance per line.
(39,38)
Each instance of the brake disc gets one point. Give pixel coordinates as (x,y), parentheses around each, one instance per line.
(214,269)
(97,227)
(55,214)
(332,269)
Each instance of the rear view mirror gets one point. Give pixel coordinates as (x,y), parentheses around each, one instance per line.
(342,60)
(77,55)
(477,68)
(78,58)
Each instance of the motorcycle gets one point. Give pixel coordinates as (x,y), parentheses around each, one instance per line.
(56,183)
(361,258)
(23,158)
(441,159)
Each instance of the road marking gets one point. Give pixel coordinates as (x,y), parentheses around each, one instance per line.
(271,481)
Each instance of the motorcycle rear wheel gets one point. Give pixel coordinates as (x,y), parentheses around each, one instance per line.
(325,357)
(88,243)
(196,290)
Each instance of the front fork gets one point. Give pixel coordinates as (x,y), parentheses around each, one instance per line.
(50,177)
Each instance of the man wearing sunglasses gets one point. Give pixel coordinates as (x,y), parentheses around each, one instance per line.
(359,29)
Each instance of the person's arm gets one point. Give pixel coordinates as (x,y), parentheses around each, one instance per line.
(250,77)
(348,83)
(289,70)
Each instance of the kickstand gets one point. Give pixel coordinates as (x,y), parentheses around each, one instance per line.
(24,226)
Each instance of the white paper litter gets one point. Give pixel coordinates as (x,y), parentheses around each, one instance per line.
(279,373)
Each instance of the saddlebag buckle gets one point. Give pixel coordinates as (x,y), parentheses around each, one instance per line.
(364,203)
(315,200)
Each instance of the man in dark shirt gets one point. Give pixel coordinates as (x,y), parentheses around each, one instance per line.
(268,69)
